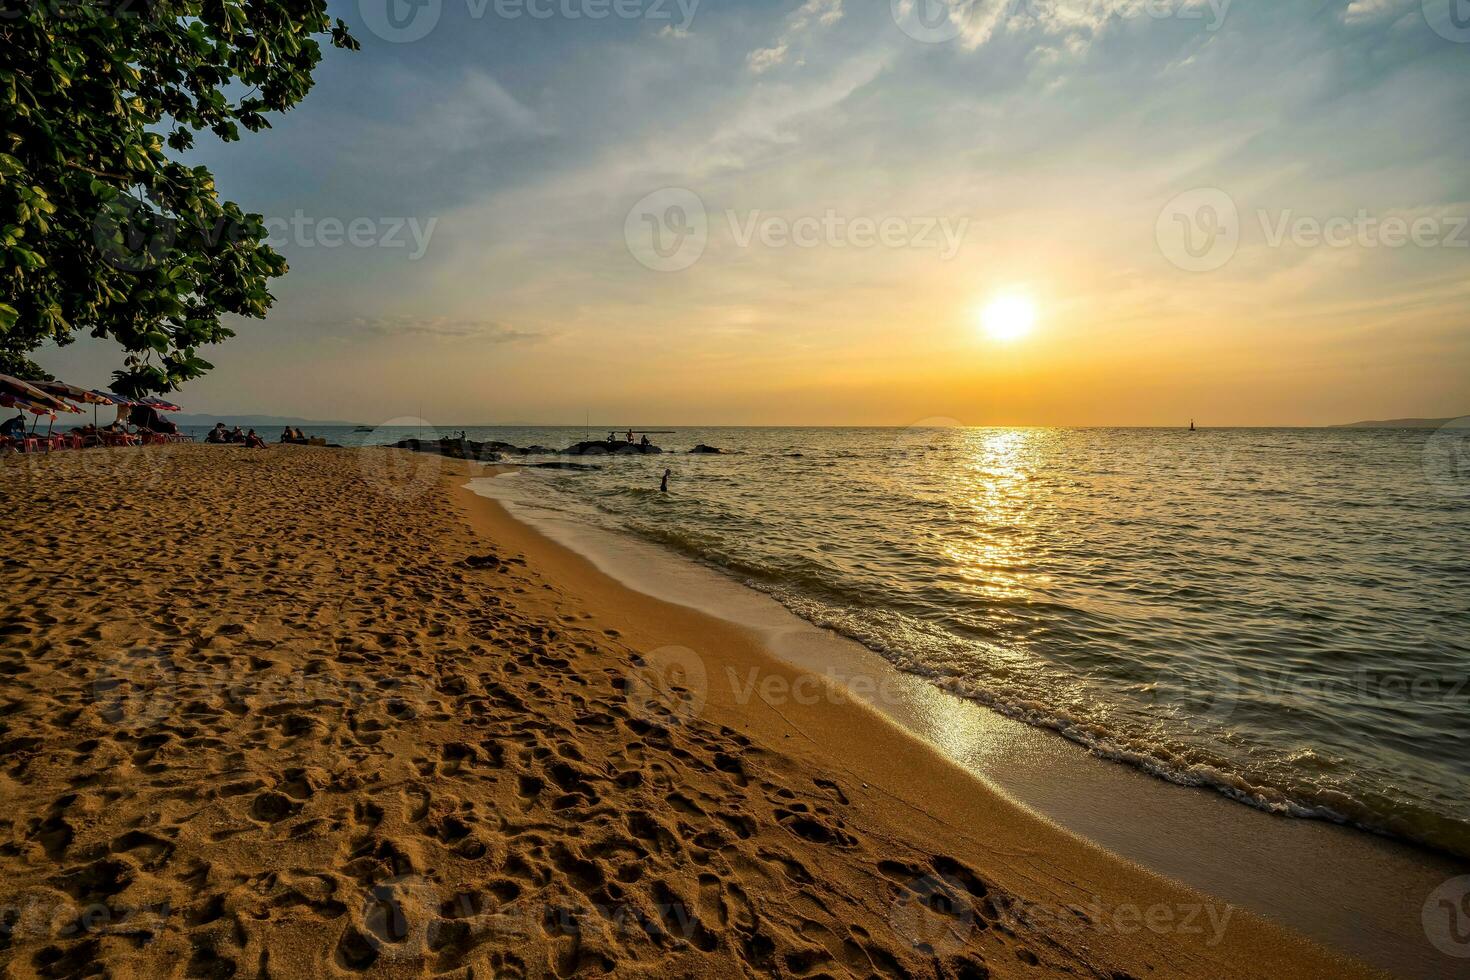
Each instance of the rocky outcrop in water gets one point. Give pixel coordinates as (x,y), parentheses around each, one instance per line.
(494,452)
(707,450)
(600,447)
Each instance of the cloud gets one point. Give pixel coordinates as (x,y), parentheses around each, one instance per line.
(763,60)
(475,112)
(812,12)
(442,327)
(1076,22)
(1367,11)
(675,33)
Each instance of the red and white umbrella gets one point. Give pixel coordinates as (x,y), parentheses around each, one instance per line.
(26,405)
(63,390)
(37,401)
(17,388)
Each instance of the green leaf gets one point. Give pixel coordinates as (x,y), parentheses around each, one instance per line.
(93,101)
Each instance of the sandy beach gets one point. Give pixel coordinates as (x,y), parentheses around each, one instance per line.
(304,712)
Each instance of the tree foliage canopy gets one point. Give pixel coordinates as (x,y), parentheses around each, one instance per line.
(100,229)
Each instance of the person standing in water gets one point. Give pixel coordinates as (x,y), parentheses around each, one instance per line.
(664,485)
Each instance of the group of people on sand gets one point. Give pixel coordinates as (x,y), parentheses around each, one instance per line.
(294,436)
(219,435)
(92,434)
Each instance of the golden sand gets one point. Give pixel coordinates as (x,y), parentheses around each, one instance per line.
(315,712)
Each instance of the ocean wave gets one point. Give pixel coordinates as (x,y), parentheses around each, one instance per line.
(1011,569)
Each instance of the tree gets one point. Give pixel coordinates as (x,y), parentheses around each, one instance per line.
(100,230)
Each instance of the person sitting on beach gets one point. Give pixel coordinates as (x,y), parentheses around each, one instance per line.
(218,434)
(287,435)
(149,420)
(89,435)
(253,441)
(15,428)
(612,437)
(664,486)
(645,441)
(236,435)
(300,436)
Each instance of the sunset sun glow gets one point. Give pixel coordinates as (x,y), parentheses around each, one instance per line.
(1008,318)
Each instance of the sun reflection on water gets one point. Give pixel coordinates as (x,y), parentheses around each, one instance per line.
(997,501)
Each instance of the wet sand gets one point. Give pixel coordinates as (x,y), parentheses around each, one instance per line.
(1347,889)
(317,712)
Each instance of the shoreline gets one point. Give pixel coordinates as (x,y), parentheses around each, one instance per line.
(315,712)
(907,782)
(1342,886)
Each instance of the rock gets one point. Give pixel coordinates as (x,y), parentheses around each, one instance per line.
(491,452)
(709,450)
(598,447)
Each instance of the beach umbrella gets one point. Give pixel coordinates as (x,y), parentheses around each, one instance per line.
(24,390)
(82,395)
(63,390)
(113,398)
(161,405)
(26,405)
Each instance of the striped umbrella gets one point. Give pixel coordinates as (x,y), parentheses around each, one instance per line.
(26,405)
(18,390)
(81,395)
(113,398)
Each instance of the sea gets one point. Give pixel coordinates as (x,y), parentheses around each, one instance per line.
(1279,615)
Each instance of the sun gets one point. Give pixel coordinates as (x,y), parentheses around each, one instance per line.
(1008,318)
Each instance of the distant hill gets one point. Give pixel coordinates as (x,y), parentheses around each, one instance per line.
(1403,424)
(250,421)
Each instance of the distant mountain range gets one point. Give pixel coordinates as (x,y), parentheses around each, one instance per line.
(251,421)
(1403,424)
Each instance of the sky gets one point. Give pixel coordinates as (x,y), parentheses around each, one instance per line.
(1031,212)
